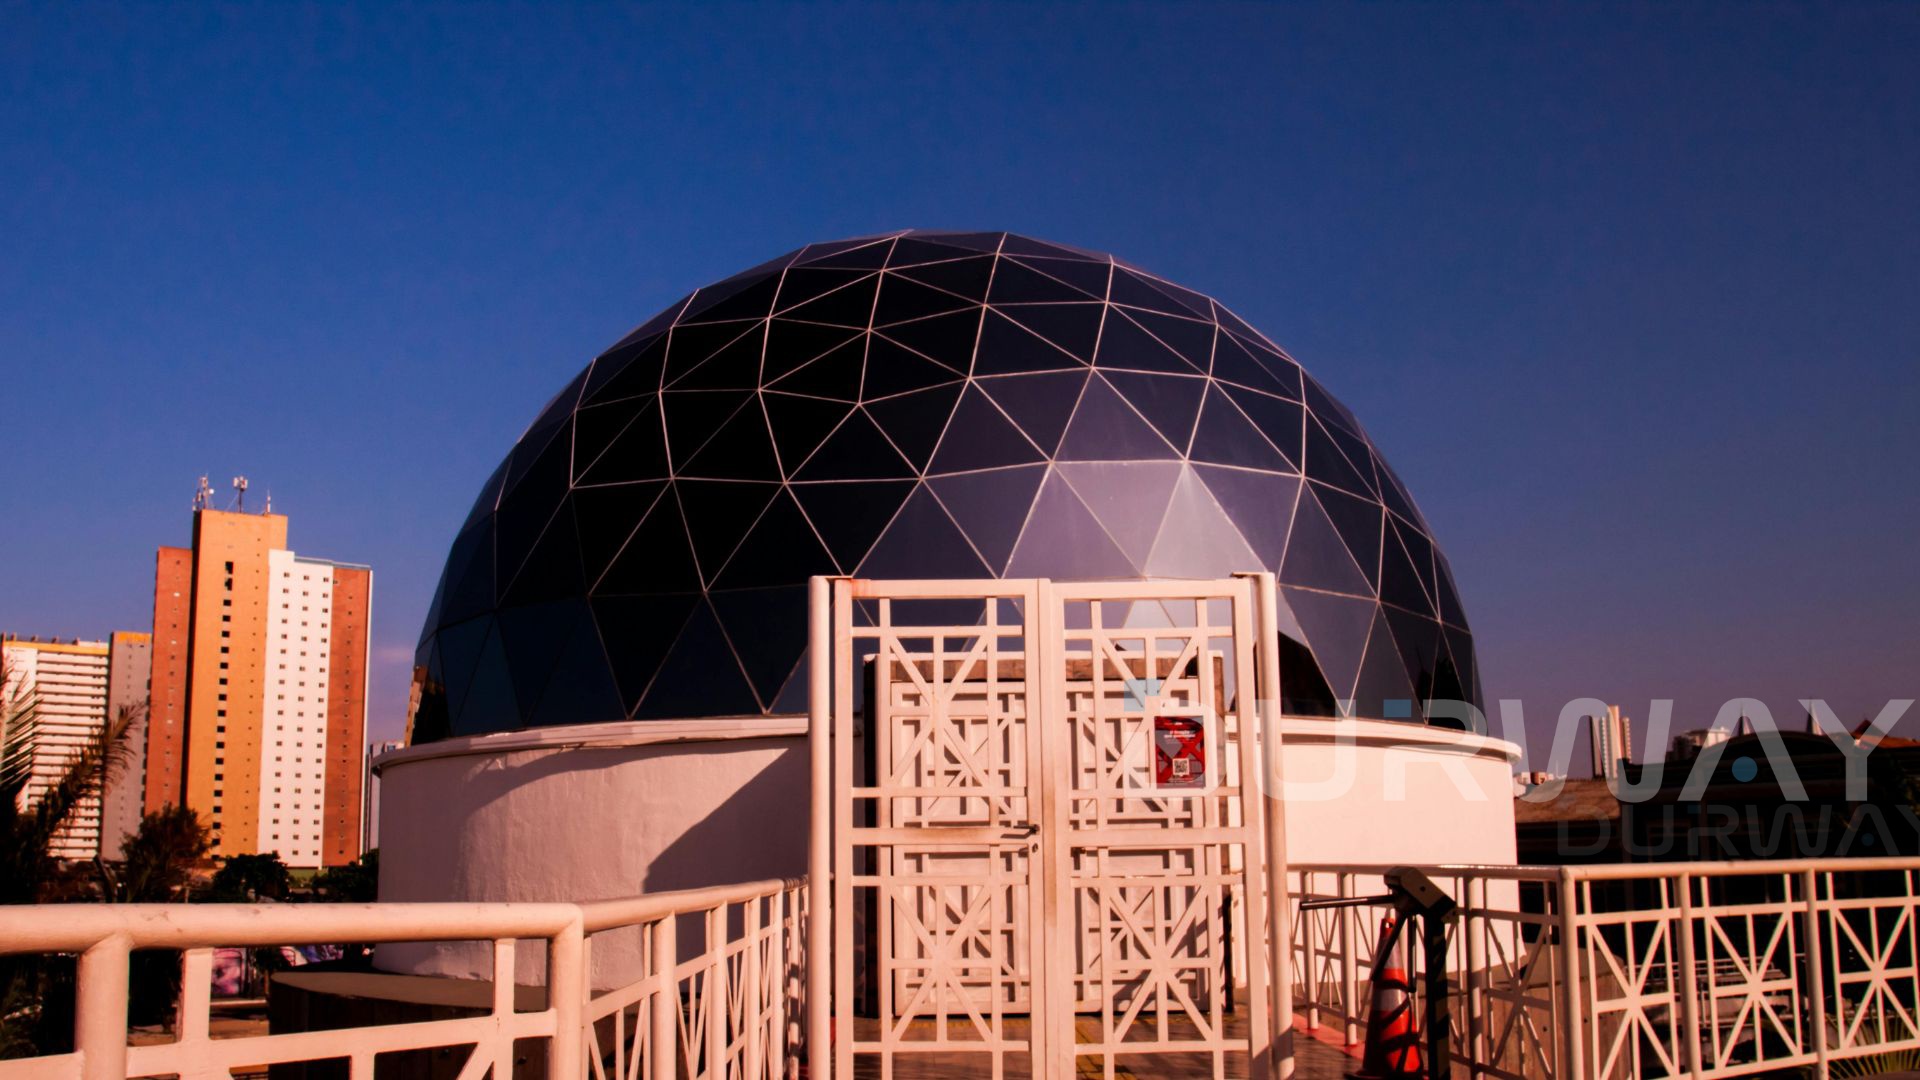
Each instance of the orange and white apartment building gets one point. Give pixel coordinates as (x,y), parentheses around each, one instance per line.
(259,690)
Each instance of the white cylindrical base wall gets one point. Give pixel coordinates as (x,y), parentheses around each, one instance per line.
(603,811)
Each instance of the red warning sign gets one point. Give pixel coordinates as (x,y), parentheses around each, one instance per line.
(1179,752)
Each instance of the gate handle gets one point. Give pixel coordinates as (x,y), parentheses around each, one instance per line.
(1026,830)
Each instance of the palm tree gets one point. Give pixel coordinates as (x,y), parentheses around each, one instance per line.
(29,872)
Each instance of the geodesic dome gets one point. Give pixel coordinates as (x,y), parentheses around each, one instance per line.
(920,405)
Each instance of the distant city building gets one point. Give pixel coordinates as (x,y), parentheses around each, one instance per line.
(370,788)
(1720,797)
(123,798)
(1612,742)
(1688,744)
(259,690)
(60,688)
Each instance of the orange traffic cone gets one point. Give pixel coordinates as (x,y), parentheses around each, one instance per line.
(1393,1039)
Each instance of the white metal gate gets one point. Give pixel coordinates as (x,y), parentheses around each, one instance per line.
(1046,848)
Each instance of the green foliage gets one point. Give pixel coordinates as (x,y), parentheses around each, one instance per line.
(246,878)
(358,882)
(158,858)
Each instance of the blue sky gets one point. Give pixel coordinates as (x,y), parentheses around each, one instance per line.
(1630,296)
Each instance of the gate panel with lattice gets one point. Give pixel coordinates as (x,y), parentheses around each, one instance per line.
(1044,854)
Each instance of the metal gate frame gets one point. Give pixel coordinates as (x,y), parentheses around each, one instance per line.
(1043,652)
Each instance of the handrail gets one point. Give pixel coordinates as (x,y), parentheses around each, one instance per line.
(1623,871)
(606,914)
(42,928)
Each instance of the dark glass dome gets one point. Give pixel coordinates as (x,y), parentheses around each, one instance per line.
(919,405)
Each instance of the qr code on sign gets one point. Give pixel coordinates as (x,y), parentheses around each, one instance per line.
(1182,768)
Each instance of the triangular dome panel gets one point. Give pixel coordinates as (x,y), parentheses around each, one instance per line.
(1064,539)
(919,404)
(1105,428)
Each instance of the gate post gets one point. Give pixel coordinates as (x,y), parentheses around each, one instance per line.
(1279,894)
(819,878)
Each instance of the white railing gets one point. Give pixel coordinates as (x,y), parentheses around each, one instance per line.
(1699,970)
(719,985)
(726,1012)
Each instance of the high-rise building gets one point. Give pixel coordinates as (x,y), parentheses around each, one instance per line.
(129,671)
(370,792)
(259,690)
(55,703)
(1612,742)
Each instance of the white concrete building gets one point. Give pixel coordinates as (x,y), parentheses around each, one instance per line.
(66,684)
(293,737)
(370,791)
(1612,736)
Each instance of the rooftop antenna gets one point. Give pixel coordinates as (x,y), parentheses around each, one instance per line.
(240,493)
(269,508)
(203,495)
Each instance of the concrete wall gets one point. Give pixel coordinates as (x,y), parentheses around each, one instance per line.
(551,815)
(123,798)
(611,810)
(1373,792)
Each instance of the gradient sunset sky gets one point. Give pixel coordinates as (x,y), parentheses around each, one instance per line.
(1630,296)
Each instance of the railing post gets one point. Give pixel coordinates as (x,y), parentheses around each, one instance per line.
(1349,961)
(566,986)
(1473,981)
(193,1019)
(100,1013)
(1309,959)
(753,986)
(1817,971)
(1573,1062)
(795,979)
(664,1037)
(1689,977)
(1279,905)
(714,985)
(819,854)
